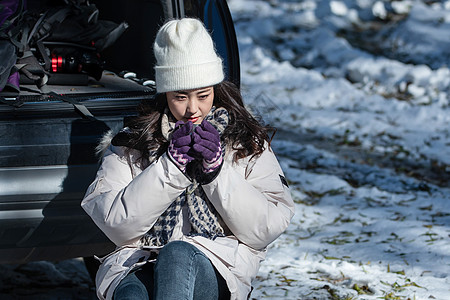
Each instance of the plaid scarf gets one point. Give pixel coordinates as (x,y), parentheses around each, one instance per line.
(203,217)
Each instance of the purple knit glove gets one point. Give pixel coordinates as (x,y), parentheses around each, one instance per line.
(207,146)
(180,144)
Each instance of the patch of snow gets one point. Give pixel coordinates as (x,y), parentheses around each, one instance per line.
(363,228)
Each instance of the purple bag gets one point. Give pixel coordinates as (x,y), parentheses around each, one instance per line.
(10,10)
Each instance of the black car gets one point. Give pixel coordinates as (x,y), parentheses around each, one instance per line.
(48,140)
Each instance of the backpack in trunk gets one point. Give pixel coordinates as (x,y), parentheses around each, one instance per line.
(65,39)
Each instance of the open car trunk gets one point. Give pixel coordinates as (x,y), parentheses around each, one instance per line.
(47,141)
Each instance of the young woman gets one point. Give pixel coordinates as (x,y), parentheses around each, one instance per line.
(190,192)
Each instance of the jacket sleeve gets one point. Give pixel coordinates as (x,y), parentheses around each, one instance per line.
(126,207)
(257,207)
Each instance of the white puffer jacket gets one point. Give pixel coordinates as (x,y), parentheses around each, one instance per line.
(250,195)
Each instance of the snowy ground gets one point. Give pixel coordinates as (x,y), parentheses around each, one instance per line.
(360,93)
(43,280)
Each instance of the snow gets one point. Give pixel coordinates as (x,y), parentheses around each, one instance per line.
(359,93)
(68,280)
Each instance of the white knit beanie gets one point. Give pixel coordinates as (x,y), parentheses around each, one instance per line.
(185,57)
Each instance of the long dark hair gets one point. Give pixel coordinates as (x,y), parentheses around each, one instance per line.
(244,133)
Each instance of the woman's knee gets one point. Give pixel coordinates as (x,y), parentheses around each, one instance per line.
(177,251)
(183,270)
(130,288)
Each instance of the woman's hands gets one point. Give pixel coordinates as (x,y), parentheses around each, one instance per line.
(181,144)
(202,143)
(207,146)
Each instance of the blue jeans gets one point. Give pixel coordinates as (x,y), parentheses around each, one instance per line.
(180,272)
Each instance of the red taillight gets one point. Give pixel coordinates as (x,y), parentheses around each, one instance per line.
(57,63)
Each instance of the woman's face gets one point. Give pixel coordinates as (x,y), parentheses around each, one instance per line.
(191,105)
